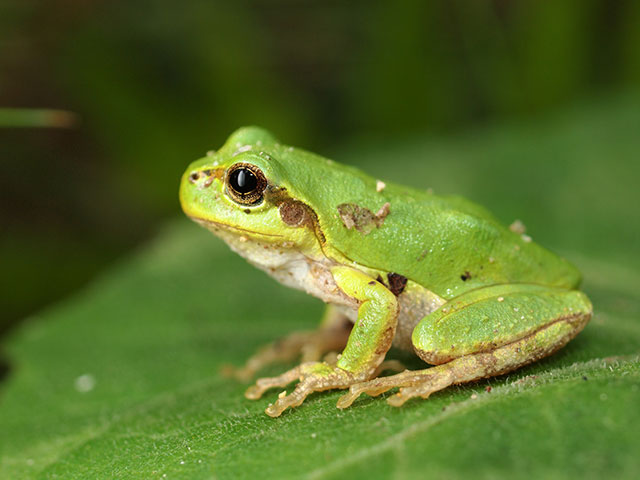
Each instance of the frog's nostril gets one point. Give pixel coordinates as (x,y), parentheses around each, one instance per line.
(193,178)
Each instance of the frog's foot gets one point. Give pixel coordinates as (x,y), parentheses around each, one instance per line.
(420,383)
(310,346)
(313,376)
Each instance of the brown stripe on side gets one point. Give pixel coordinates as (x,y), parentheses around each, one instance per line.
(295,213)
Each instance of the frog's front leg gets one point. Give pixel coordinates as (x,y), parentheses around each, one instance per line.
(307,346)
(483,333)
(367,345)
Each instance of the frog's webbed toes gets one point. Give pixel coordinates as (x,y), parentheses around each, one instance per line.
(419,383)
(373,387)
(313,376)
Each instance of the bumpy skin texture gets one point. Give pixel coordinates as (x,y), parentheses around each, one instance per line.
(363,245)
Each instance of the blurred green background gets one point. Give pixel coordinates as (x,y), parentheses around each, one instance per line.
(154,84)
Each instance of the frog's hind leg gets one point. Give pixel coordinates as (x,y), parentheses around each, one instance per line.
(561,314)
(422,383)
(331,336)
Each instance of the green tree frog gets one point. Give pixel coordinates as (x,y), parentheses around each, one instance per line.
(434,275)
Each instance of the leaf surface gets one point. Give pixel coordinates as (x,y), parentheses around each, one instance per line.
(121,381)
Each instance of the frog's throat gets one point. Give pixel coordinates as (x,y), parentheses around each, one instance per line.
(213,226)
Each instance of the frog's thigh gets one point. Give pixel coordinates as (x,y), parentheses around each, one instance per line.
(485,319)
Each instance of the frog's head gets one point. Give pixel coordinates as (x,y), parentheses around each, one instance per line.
(242,194)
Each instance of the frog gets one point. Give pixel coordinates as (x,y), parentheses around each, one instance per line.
(435,275)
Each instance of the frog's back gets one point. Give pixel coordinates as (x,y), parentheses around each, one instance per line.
(450,245)
(446,244)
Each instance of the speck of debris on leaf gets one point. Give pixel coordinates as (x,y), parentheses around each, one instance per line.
(487,389)
(85,383)
(518,227)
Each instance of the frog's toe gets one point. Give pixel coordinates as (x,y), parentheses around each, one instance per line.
(379,385)
(372,388)
(294,399)
(423,390)
(255,391)
(400,398)
(313,376)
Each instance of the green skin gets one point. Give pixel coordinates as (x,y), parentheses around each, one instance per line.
(498,300)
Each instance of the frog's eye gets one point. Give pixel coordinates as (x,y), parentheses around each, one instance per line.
(245,183)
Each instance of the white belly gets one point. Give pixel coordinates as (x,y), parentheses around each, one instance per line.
(295,270)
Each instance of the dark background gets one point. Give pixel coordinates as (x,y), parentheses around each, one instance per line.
(154,84)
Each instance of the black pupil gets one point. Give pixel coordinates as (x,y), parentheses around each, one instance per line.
(243,180)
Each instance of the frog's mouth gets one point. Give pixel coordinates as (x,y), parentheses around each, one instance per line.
(218,226)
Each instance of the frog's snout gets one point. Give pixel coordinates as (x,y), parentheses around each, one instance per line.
(201,178)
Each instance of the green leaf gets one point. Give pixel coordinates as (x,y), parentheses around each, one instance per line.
(121,381)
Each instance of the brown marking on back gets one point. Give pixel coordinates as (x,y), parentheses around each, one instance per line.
(382,213)
(361,218)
